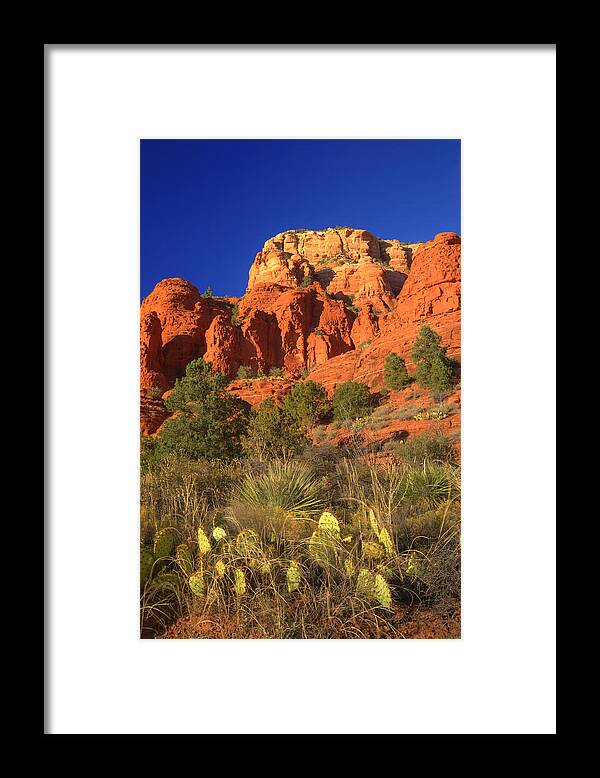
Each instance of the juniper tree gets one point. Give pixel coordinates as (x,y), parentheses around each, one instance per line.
(433,369)
(209,422)
(395,374)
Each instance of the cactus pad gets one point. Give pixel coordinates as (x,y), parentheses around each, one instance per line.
(416,564)
(247,543)
(293,577)
(184,558)
(239,583)
(203,542)
(386,541)
(196,584)
(373,522)
(322,547)
(364,583)
(218,534)
(381,591)
(146,563)
(164,542)
(219,568)
(372,550)
(328,522)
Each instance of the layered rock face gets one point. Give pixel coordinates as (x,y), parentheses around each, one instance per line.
(351,265)
(334,302)
(431,295)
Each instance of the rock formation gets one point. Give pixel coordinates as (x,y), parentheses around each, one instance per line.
(333,303)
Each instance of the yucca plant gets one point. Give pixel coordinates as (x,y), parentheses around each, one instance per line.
(286,492)
(434,483)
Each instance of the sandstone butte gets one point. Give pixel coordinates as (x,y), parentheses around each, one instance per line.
(326,305)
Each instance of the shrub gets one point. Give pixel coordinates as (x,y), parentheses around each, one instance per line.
(208,293)
(351,400)
(395,374)
(276,372)
(235,315)
(306,281)
(210,421)
(427,447)
(245,372)
(271,433)
(433,369)
(307,403)
(149,452)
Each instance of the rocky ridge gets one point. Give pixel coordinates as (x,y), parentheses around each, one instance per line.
(327,304)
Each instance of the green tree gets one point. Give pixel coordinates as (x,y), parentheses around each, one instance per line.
(209,422)
(433,369)
(440,376)
(395,374)
(351,400)
(208,293)
(307,403)
(271,434)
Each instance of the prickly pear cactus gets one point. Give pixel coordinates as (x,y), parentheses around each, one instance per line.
(372,550)
(218,534)
(196,584)
(386,541)
(293,577)
(386,572)
(416,564)
(322,547)
(146,563)
(381,591)
(265,568)
(349,567)
(164,542)
(373,522)
(184,558)
(247,543)
(329,523)
(239,582)
(169,581)
(219,568)
(373,586)
(203,542)
(364,583)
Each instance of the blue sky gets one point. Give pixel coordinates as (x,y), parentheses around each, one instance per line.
(207,206)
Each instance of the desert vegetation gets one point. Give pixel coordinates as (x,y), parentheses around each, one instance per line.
(282,521)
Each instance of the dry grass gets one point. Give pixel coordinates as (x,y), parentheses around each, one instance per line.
(398,522)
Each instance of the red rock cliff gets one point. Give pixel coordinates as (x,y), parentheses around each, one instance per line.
(334,302)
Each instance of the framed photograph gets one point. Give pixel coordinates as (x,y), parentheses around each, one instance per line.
(263,480)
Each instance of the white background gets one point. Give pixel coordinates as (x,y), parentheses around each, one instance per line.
(499,678)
